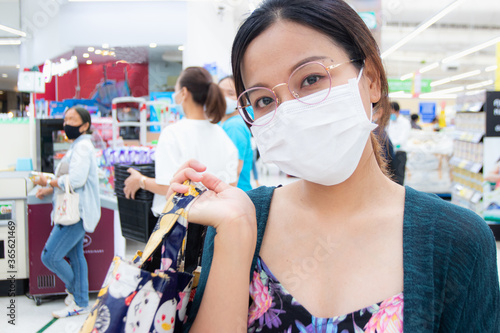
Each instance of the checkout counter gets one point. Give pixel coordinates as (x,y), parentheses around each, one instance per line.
(33,227)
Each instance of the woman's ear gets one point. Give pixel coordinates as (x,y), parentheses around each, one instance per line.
(84,128)
(184,94)
(373,80)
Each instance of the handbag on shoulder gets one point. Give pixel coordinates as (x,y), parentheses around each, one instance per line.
(151,293)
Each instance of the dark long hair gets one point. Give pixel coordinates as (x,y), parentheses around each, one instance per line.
(199,83)
(333,18)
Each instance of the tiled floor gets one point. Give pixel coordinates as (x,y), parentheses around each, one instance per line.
(31,318)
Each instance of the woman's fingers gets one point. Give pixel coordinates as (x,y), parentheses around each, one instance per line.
(213,183)
(179,179)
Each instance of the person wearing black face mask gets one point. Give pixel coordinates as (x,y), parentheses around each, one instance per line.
(79,168)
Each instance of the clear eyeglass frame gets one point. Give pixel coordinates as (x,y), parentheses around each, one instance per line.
(243,100)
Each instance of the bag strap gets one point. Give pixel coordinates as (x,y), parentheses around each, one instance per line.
(177,206)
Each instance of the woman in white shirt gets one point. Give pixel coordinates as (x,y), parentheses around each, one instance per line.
(196,136)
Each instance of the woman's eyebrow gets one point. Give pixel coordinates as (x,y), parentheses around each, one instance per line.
(294,67)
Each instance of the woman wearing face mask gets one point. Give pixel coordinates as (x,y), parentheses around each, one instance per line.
(344,249)
(79,168)
(239,133)
(196,136)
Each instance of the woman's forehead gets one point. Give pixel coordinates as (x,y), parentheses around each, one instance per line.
(278,49)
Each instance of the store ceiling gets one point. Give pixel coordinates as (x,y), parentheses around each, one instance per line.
(471,23)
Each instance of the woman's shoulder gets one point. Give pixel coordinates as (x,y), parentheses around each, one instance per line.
(427,213)
(261,198)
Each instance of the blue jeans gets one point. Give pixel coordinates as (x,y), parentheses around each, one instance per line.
(67,241)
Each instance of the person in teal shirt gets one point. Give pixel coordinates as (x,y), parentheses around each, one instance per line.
(239,133)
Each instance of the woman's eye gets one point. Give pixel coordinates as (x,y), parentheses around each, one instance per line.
(263,102)
(311,79)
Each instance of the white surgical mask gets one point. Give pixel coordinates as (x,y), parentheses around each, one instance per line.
(231,105)
(320,143)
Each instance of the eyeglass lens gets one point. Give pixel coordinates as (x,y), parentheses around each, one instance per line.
(310,84)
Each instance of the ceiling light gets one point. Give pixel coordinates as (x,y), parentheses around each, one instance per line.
(89,62)
(10,41)
(406,76)
(18,66)
(90,49)
(440,82)
(105,46)
(4,75)
(105,53)
(439,96)
(443,12)
(464,75)
(445,91)
(429,67)
(471,50)
(153,45)
(491,68)
(400,94)
(12,31)
(98,51)
(86,55)
(1,92)
(479,84)
(181,48)
(11,114)
(475,92)
(112,54)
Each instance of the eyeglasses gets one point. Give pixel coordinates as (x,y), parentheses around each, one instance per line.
(310,84)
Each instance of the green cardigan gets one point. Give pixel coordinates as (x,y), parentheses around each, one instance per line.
(449,260)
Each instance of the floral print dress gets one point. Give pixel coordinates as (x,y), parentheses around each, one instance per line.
(273,309)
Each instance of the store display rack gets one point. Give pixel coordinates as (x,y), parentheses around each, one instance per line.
(467,160)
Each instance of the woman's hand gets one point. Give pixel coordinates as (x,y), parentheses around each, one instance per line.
(42,180)
(132,183)
(221,205)
(44,191)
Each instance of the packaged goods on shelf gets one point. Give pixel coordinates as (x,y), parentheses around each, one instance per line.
(427,166)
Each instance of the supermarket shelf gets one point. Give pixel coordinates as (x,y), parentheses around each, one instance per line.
(474,137)
(467,193)
(466,164)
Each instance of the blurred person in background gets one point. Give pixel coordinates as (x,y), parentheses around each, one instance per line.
(414,121)
(79,168)
(399,131)
(239,133)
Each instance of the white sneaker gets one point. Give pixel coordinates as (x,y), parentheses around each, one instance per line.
(69,299)
(70,310)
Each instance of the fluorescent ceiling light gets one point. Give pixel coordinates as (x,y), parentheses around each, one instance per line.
(445,91)
(479,84)
(475,92)
(18,66)
(400,94)
(153,45)
(491,68)
(443,12)
(465,75)
(13,31)
(181,48)
(471,50)
(440,82)
(86,55)
(5,75)
(406,76)
(90,49)
(89,62)
(10,41)
(98,51)
(439,96)
(429,67)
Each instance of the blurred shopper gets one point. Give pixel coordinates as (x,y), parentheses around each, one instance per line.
(239,133)
(196,136)
(399,132)
(79,168)
(414,121)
